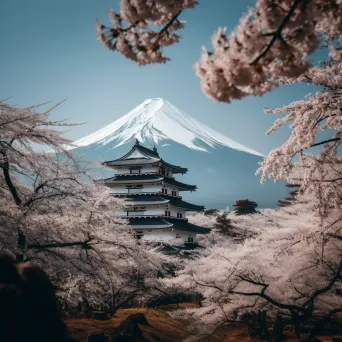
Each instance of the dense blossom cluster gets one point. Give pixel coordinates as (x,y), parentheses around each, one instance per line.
(321,165)
(281,269)
(273,40)
(291,263)
(52,213)
(135,40)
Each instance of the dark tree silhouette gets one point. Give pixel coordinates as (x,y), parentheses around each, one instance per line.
(211,212)
(245,207)
(224,225)
(292,195)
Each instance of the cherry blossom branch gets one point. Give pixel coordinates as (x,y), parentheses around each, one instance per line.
(326,288)
(277,34)
(326,141)
(8,180)
(83,244)
(165,28)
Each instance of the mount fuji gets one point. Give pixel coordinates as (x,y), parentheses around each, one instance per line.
(223,169)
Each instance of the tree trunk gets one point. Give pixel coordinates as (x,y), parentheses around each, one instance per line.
(277,333)
(21,245)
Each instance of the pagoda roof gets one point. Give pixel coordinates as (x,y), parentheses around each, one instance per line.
(180,185)
(156,199)
(187,226)
(148,178)
(175,168)
(186,205)
(149,199)
(134,178)
(141,155)
(148,223)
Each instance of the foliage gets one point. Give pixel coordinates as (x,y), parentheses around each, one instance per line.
(281,270)
(291,262)
(136,40)
(272,40)
(53,214)
(245,207)
(211,212)
(292,196)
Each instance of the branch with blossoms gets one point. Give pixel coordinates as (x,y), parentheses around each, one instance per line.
(136,40)
(273,40)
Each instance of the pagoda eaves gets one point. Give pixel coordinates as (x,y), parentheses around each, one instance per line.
(140,155)
(153,206)
(148,178)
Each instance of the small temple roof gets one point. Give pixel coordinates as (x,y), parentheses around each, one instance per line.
(148,223)
(141,155)
(155,199)
(148,178)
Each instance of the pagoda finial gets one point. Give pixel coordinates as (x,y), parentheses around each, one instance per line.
(136,142)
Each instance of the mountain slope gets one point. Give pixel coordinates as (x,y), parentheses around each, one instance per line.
(157,120)
(223,169)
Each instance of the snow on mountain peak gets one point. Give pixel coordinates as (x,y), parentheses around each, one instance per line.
(156,119)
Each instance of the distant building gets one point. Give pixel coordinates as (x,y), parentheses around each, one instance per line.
(154,206)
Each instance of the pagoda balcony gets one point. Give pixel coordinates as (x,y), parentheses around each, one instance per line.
(131,193)
(152,216)
(142,173)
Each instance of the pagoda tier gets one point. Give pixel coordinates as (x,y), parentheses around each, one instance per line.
(141,200)
(166,224)
(141,157)
(153,206)
(147,179)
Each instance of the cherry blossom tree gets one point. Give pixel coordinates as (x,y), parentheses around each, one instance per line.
(54,215)
(281,270)
(273,39)
(290,265)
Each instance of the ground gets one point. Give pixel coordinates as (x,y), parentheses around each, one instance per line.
(162,328)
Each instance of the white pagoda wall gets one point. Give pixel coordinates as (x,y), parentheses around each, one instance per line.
(121,189)
(167,233)
(156,211)
(170,189)
(147,188)
(144,169)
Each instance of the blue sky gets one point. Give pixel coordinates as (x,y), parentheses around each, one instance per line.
(49,52)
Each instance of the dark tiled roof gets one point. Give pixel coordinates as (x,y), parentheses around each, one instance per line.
(144,150)
(184,186)
(136,177)
(148,222)
(152,178)
(128,162)
(146,198)
(177,224)
(175,202)
(175,168)
(152,156)
(147,151)
(189,227)
(182,204)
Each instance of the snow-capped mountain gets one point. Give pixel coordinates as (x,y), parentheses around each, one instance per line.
(158,120)
(223,169)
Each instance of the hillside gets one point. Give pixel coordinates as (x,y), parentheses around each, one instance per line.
(222,168)
(162,328)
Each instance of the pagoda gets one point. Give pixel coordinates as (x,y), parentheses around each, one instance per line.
(153,205)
